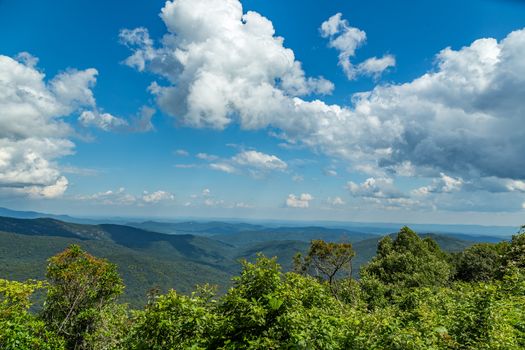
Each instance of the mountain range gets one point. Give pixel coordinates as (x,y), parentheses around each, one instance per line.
(179,255)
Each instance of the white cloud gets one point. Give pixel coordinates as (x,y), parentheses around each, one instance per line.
(33,133)
(255,163)
(233,54)
(330,172)
(259,160)
(375,188)
(123,197)
(182,153)
(516,185)
(224,167)
(157,196)
(335,201)
(110,197)
(210,202)
(50,191)
(376,66)
(108,122)
(347,40)
(449,120)
(103,121)
(302,201)
(205,156)
(445,184)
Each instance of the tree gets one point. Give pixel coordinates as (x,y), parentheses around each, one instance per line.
(405,262)
(516,252)
(327,260)
(480,262)
(80,287)
(174,321)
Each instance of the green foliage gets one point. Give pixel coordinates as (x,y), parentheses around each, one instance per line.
(405,301)
(481,262)
(516,253)
(19,330)
(174,321)
(269,310)
(80,287)
(110,329)
(404,263)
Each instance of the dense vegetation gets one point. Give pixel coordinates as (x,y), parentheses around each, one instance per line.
(411,295)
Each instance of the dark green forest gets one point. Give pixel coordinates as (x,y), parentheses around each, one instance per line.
(412,294)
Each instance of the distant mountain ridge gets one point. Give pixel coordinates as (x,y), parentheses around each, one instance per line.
(196,226)
(204,252)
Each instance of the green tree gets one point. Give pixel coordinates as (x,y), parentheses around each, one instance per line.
(80,287)
(403,263)
(326,260)
(516,252)
(175,321)
(267,309)
(20,330)
(480,262)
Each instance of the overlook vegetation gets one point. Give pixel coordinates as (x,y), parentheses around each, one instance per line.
(411,295)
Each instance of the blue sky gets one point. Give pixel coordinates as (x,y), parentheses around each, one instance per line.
(352,110)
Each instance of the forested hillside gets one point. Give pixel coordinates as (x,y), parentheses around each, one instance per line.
(411,295)
(147,259)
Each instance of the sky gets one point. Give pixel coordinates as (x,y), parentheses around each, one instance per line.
(376,111)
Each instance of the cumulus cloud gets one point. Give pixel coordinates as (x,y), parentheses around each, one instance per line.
(213,56)
(302,201)
(347,40)
(463,118)
(33,133)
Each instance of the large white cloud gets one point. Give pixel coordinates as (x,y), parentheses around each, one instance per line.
(215,58)
(463,118)
(33,133)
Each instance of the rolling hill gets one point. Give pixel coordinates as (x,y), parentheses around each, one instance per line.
(148,259)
